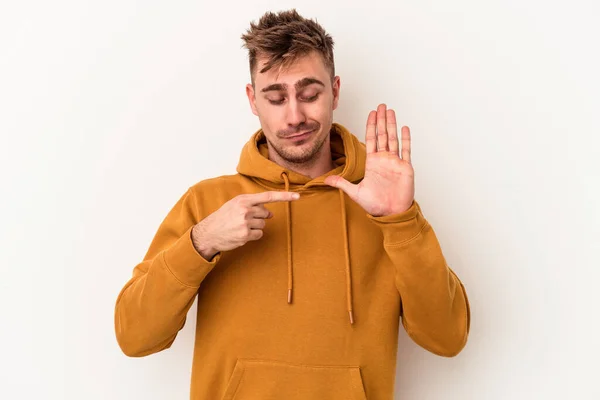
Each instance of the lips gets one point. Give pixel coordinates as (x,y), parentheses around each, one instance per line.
(300,135)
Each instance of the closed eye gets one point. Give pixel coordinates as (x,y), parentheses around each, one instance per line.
(305,99)
(311,99)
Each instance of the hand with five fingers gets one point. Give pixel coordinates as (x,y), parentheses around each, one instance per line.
(389,183)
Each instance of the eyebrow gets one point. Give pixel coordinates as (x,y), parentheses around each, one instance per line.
(302,83)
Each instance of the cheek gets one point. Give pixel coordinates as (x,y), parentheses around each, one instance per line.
(271,118)
(321,111)
(266,110)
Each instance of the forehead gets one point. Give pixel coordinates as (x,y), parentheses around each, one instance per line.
(309,65)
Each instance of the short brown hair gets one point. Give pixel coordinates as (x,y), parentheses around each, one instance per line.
(285,36)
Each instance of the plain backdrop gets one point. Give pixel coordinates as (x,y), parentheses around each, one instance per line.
(110,110)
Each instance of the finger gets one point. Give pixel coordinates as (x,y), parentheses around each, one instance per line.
(338,182)
(406,144)
(260,212)
(257,223)
(270,197)
(392,130)
(382,137)
(255,234)
(371,137)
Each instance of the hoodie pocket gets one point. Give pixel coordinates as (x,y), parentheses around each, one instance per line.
(274,380)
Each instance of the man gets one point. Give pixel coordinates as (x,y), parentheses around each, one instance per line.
(305,260)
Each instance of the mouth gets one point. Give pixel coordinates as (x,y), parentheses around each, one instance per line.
(300,136)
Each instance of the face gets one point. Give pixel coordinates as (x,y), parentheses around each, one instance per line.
(295,107)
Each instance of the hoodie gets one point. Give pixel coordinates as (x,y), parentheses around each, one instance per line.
(311,310)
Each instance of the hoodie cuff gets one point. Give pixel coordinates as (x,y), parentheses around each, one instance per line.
(401,228)
(185,263)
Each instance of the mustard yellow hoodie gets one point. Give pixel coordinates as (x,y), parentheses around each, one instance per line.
(309,311)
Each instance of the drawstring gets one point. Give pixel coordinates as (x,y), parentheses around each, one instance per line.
(347,256)
(288,212)
(346,252)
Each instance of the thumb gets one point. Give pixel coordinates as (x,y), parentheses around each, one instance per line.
(338,182)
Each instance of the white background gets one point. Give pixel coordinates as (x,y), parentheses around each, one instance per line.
(110,110)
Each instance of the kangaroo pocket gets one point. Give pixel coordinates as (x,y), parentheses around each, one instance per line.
(274,380)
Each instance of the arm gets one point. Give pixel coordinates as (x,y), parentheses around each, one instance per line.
(435,307)
(152,306)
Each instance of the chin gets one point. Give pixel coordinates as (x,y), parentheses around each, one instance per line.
(304,152)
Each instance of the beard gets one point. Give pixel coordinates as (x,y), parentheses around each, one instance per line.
(300,153)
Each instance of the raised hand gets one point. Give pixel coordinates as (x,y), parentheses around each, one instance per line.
(389,183)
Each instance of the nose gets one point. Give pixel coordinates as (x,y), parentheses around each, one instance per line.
(295,114)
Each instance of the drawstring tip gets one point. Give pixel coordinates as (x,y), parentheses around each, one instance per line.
(351,316)
(290,296)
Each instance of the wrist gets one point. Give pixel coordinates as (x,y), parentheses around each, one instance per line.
(202,244)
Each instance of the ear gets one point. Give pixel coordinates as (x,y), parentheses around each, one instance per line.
(251,98)
(336,91)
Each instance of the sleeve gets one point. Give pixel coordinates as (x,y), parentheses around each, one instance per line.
(435,309)
(152,306)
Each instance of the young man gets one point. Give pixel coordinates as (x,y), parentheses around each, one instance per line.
(304,261)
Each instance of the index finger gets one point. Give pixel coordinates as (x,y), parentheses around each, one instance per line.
(371,137)
(271,197)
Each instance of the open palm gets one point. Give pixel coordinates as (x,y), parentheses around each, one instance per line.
(388,186)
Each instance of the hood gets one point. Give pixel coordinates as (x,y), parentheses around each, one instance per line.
(350,156)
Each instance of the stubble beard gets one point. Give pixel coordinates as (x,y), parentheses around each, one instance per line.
(305,156)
